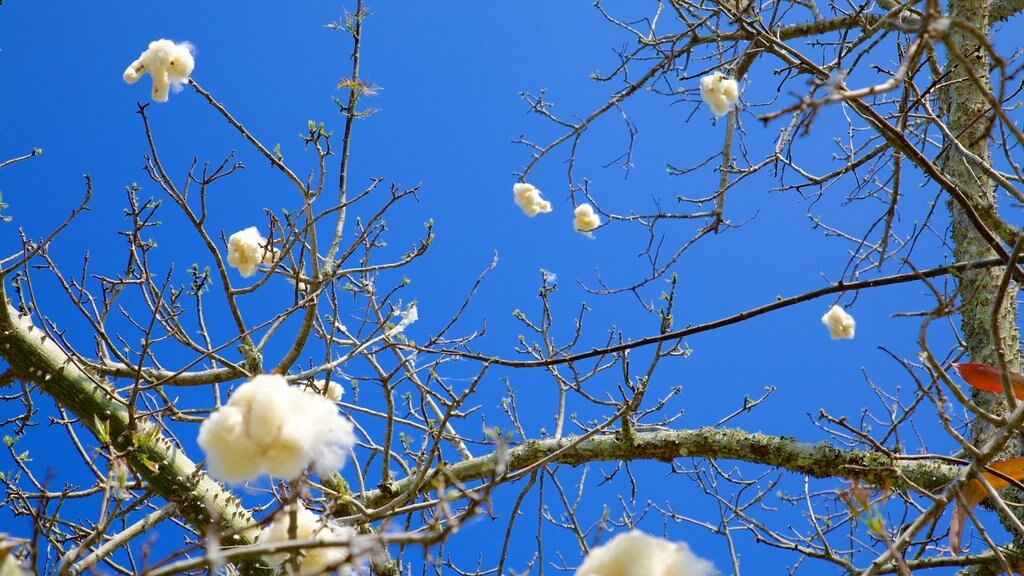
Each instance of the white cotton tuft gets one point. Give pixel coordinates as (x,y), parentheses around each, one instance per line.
(529,200)
(131,75)
(161,85)
(586,219)
(331,389)
(231,453)
(410,315)
(247,249)
(169,64)
(719,93)
(637,554)
(839,323)
(270,427)
(309,526)
(182,62)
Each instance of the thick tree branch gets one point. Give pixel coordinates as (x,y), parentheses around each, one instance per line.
(171,378)
(1002,10)
(822,460)
(35,357)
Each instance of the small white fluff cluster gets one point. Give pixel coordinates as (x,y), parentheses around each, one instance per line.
(410,315)
(634,553)
(269,427)
(719,93)
(308,526)
(334,391)
(528,199)
(839,323)
(168,63)
(247,249)
(586,219)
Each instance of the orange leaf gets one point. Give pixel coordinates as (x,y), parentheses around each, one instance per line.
(974,492)
(985,377)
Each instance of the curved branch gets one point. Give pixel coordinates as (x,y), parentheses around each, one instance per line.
(836,288)
(821,460)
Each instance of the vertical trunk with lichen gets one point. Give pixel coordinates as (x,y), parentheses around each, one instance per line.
(969,118)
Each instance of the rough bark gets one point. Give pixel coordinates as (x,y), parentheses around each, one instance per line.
(821,460)
(988,317)
(969,119)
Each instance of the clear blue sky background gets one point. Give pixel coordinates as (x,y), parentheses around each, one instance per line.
(450,75)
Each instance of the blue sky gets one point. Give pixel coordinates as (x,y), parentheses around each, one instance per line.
(448,108)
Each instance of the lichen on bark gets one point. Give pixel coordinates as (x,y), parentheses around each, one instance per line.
(988,318)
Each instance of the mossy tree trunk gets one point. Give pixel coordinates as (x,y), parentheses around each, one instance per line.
(988,318)
(969,119)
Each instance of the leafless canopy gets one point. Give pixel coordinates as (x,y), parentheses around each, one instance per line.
(141,352)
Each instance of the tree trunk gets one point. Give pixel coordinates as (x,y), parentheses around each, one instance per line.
(969,118)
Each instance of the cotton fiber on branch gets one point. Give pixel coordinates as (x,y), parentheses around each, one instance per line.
(168,63)
(529,200)
(719,93)
(586,219)
(308,526)
(635,553)
(247,249)
(332,390)
(269,427)
(839,323)
(408,317)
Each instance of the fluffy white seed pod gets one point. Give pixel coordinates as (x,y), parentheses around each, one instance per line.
(309,526)
(839,323)
(131,74)
(529,199)
(634,553)
(586,219)
(247,249)
(730,91)
(719,93)
(161,84)
(169,63)
(231,454)
(269,427)
(334,391)
(182,62)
